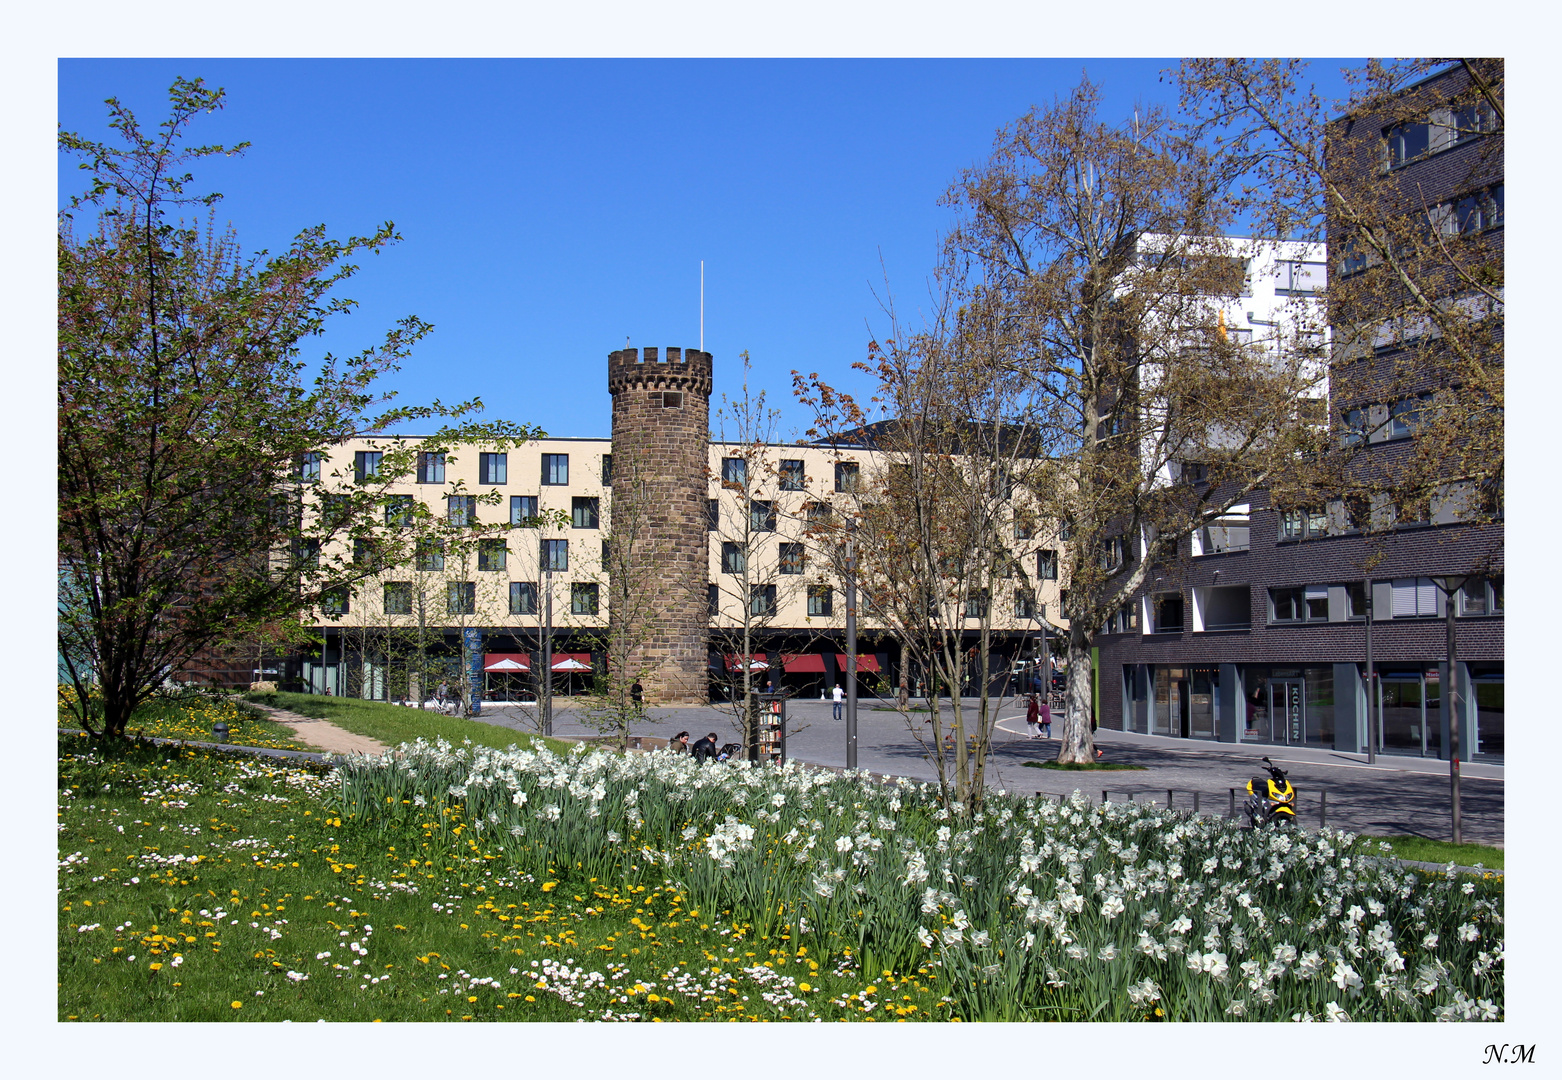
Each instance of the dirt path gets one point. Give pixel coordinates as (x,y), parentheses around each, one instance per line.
(323,734)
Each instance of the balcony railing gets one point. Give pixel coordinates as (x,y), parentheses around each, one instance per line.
(1221,539)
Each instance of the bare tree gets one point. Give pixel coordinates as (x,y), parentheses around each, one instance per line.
(759,573)
(635,593)
(1090,264)
(940,532)
(1415,293)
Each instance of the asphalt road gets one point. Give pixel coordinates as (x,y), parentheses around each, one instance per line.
(1396,795)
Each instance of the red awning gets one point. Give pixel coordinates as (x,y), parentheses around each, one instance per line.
(507,661)
(757,662)
(803,663)
(865,662)
(572,661)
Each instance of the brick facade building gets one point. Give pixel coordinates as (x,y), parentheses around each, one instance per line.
(1265,640)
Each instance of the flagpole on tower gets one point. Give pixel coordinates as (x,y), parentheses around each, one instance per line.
(702,305)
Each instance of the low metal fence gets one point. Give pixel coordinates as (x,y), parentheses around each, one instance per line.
(1193,799)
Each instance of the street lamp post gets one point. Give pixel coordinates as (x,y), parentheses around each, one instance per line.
(547,649)
(851,654)
(1450,586)
(1372,729)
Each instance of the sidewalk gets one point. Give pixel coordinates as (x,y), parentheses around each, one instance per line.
(322,733)
(1394,795)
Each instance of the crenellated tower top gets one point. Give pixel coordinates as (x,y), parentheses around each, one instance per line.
(688,370)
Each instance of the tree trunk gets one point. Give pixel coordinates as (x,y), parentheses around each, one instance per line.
(1079,746)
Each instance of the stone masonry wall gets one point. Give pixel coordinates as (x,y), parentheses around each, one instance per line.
(661,448)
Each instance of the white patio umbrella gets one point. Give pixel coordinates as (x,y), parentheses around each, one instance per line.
(507,664)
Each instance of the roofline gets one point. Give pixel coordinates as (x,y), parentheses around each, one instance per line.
(608,439)
(1408,86)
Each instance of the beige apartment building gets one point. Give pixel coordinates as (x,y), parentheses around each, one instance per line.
(729,544)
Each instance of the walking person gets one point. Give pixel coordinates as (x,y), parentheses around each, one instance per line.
(840,696)
(1045,721)
(1032,716)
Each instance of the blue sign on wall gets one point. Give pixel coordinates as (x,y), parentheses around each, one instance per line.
(472,646)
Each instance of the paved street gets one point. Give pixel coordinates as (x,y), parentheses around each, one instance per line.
(1397,795)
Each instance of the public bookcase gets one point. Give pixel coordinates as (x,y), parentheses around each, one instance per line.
(771,745)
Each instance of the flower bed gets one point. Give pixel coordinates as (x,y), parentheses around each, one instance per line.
(206,885)
(1029,909)
(468,884)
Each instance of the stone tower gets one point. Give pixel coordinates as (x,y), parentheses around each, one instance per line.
(661,441)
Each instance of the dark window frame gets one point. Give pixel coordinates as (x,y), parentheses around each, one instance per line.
(399,512)
(762,601)
(429,555)
(977,604)
(1024,603)
(397,599)
(366,465)
(734,559)
(585,598)
(793,558)
(554,554)
(487,548)
(524,598)
(461,510)
(555,470)
(734,472)
(461,598)
(431,467)
(761,516)
(493,468)
(585,512)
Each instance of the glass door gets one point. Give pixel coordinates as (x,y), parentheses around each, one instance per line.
(1286,711)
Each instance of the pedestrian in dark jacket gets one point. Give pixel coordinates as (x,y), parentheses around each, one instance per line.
(1032,715)
(704,748)
(1046,720)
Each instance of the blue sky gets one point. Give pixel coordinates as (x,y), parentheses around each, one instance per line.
(552,208)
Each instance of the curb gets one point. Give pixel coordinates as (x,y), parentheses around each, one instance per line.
(263,751)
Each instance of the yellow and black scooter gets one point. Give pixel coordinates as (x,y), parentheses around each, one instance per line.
(1271,800)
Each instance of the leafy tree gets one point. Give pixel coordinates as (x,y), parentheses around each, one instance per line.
(191,506)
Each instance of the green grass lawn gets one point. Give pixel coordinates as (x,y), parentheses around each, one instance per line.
(200,885)
(392,724)
(1420,849)
(192,717)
